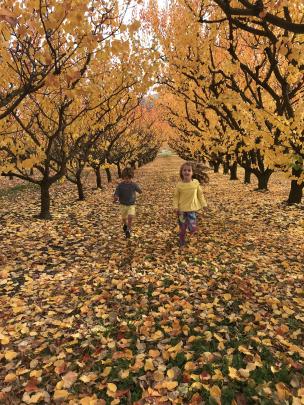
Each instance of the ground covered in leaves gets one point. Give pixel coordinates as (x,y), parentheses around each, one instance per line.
(88,317)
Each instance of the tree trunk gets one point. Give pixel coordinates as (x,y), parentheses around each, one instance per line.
(98,177)
(233,171)
(263,179)
(109,175)
(81,196)
(216,166)
(247,176)
(226,168)
(118,170)
(45,201)
(296,189)
(133,164)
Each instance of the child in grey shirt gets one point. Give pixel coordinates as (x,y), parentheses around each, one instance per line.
(125,193)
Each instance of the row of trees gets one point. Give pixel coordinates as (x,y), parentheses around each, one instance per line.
(72,84)
(233,84)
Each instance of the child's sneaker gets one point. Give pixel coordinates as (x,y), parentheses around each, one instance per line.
(125,227)
(128,233)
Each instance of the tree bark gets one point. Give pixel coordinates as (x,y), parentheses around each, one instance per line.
(81,195)
(98,177)
(225,168)
(45,201)
(247,176)
(296,189)
(263,179)
(233,171)
(118,170)
(215,165)
(109,175)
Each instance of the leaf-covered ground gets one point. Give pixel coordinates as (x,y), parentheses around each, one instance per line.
(88,317)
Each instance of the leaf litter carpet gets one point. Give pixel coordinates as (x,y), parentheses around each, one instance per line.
(88,317)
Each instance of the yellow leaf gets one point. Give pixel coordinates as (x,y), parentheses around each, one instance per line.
(301,392)
(158,376)
(244,372)
(10,377)
(175,348)
(215,393)
(124,373)
(134,26)
(35,398)
(149,365)
(197,385)
(106,371)
(190,366)
(288,310)
(233,373)
(27,163)
(267,342)
(282,391)
(244,350)
(217,375)
(10,355)
(86,378)
(170,385)
(60,394)
(157,335)
(111,387)
(251,366)
(90,401)
(4,340)
(227,297)
(36,373)
(171,373)
(154,353)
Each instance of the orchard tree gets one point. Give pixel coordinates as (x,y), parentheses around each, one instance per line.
(255,79)
(40,40)
(272,28)
(45,132)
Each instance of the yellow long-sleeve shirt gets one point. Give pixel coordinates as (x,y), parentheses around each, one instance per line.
(189,196)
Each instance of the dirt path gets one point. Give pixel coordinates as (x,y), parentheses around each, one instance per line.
(76,296)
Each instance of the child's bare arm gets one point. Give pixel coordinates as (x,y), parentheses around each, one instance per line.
(138,189)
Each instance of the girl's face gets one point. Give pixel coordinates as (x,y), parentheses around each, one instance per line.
(187,173)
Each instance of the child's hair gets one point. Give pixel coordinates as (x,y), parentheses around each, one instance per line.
(199,171)
(127,173)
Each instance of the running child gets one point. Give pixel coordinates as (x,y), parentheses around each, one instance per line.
(125,194)
(188,199)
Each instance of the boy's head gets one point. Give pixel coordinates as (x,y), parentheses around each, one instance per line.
(127,173)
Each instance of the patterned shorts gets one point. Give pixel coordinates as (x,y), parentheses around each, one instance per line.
(188,220)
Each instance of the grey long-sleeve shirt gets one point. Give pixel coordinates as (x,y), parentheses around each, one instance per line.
(126,192)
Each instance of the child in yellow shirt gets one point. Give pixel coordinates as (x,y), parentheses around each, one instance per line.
(188,199)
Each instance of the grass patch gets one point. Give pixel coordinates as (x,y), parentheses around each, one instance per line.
(165,153)
(13,191)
